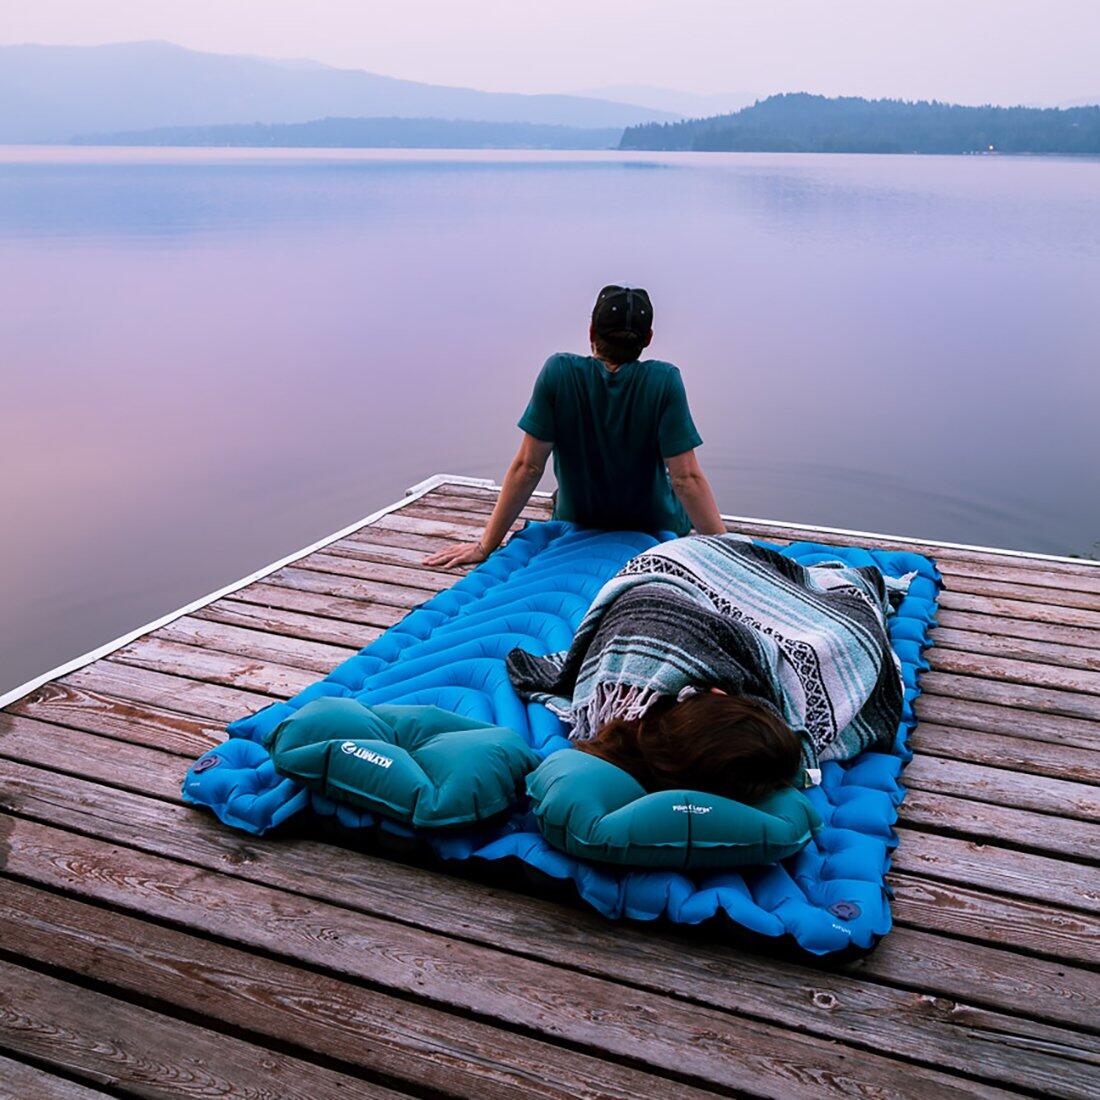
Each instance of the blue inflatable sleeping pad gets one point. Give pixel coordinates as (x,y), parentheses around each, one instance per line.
(450,652)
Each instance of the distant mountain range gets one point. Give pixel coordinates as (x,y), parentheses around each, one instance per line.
(53,93)
(810,123)
(683,104)
(371,133)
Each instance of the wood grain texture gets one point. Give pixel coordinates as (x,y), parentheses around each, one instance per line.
(62,704)
(374,593)
(1007,721)
(1054,654)
(1004,787)
(1017,696)
(1046,834)
(1080,643)
(113,1043)
(317,657)
(1052,991)
(19,1081)
(705,1045)
(323,605)
(880,1018)
(1019,607)
(976,914)
(351,1023)
(1015,753)
(180,694)
(1003,870)
(289,624)
(228,669)
(989,666)
(131,767)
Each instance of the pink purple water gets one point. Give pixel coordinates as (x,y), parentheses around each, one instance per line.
(212,358)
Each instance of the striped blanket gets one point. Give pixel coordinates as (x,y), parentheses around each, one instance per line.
(720,611)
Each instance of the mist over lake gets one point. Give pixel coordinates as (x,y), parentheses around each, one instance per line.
(214,357)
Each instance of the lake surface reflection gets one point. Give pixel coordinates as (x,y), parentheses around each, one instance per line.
(211,358)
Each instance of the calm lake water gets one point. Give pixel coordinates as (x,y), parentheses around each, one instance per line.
(212,358)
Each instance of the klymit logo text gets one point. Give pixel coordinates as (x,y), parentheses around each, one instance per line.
(352,749)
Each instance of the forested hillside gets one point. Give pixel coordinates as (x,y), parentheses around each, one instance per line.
(815,124)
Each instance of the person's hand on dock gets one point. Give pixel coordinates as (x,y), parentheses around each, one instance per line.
(466,553)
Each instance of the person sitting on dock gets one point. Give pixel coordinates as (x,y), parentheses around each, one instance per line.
(621,434)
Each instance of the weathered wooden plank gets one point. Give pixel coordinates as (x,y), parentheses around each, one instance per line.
(987,666)
(568,937)
(18,1081)
(570,1004)
(1077,640)
(62,704)
(1017,648)
(471,523)
(1006,825)
(1005,870)
(362,548)
(478,498)
(359,612)
(976,914)
(1007,721)
(1035,573)
(330,584)
(426,581)
(289,624)
(377,550)
(1062,596)
(360,1027)
(1028,610)
(110,1042)
(250,673)
(144,770)
(703,1044)
(441,528)
(1020,754)
(295,652)
(173,693)
(931,964)
(465,510)
(380,538)
(1004,787)
(161,774)
(1021,697)
(130,766)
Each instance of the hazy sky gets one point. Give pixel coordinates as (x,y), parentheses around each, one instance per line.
(1006,51)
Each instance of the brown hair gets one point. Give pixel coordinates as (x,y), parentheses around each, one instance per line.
(725,744)
(618,348)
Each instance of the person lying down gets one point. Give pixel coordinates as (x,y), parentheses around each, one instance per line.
(712,664)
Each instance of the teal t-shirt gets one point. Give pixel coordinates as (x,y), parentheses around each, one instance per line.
(612,431)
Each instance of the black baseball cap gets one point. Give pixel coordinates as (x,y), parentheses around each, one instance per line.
(622,309)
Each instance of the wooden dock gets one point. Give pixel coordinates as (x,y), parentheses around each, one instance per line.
(145,949)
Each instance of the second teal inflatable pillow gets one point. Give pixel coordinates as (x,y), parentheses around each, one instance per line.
(420,765)
(590,808)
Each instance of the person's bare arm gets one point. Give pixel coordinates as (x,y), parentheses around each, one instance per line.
(691,486)
(520,482)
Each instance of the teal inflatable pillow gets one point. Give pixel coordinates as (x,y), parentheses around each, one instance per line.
(594,810)
(422,766)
